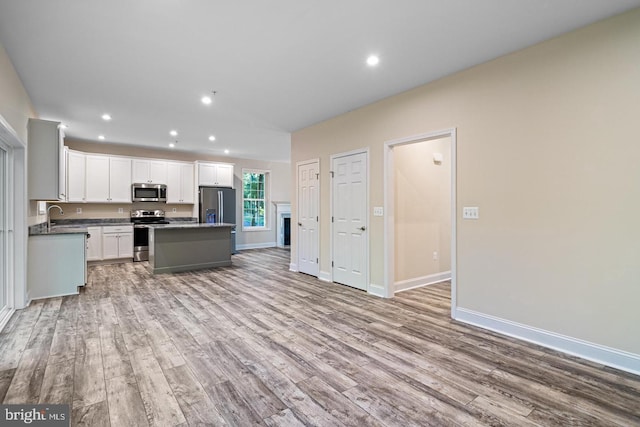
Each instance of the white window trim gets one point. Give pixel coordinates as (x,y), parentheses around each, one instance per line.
(267,203)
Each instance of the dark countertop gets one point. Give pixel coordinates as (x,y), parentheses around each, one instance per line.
(42,231)
(189,225)
(76,226)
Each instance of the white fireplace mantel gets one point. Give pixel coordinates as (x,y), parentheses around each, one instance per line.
(283,210)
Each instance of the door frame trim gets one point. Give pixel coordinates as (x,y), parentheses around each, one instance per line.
(294,266)
(17,218)
(364,150)
(389,208)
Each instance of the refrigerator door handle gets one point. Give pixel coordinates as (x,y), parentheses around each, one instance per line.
(221,206)
(201,207)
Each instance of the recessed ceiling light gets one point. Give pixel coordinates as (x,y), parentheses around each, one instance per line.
(212,138)
(171,144)
(173,133)
(206,100)
(373,60)
(106,117)
(226,151)
(101,137)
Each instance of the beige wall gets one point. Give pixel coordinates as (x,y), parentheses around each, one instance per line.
(422,209)
(15,105)
(280,187)
(548,149)
(16,109)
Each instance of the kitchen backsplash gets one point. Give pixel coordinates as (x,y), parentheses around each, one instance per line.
(107,210)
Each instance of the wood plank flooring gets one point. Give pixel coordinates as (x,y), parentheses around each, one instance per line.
(254,344)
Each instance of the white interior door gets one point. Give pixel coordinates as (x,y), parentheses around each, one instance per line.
(349,193)
(308,217)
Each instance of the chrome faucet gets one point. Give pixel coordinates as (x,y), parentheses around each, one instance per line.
(49,215)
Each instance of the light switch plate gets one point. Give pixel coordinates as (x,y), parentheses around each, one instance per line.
(120,210)
(78,210)
(42,208)
(470,212)
(378,211)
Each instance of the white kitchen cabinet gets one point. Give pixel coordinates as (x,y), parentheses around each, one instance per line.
(108,179)
(120,180)
(46,161)
(125,245)
(215,174)
(110,245)
(117,242)
(56,265)
(76,176)
(180,183)
(148,171)
(97,178)
(94,244)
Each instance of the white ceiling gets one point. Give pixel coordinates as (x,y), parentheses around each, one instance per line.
(277,66)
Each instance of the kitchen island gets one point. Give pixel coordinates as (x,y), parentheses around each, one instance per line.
(57,263)
(189,246)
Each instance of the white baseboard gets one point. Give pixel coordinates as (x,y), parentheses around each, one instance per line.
(256,246)
(377,290)
(325,276)
(431,279)
(5,318)
(608,356)
(293,267)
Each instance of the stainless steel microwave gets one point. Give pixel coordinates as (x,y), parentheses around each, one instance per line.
(149,192)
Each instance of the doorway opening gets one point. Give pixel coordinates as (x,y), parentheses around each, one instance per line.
(420,206)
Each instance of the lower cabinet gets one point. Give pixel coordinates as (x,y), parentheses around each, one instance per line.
(56,265)
(94,244)
(117,242)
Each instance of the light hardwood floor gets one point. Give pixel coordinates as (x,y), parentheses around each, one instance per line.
(255,344)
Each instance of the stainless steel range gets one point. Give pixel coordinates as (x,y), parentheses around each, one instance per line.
(141,220)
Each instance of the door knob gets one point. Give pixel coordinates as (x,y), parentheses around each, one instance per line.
(299,224)
(363,228)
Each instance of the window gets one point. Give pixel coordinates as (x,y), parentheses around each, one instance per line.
(254,199)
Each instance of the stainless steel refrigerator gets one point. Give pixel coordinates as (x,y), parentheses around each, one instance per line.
(218,205)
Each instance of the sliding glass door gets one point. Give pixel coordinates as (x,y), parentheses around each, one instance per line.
(4,252)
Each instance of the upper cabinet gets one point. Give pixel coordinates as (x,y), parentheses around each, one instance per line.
(180,183)
(76,176)
(108,179)
(101,178)
(149,171)
(46,161)
(215,174)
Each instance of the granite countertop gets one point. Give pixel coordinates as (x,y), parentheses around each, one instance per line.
(69,228)
(42,231)
(189,225)
(75,226)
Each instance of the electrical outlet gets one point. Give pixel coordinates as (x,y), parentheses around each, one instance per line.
(174,210)
(120,210)
(78,210)
(469,212)
(435,255)
(378,211)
